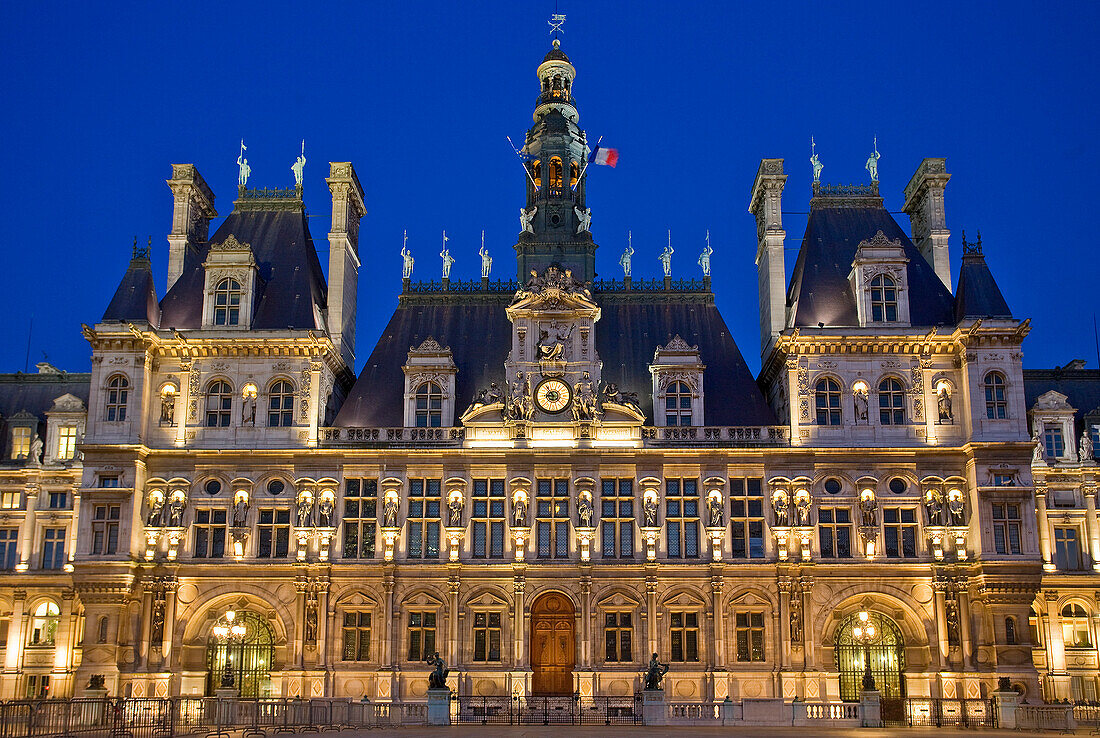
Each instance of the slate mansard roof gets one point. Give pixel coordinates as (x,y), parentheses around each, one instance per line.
(479,335)
(135,299)
(978,295)
(819,289)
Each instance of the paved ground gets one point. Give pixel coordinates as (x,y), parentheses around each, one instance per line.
(571,731)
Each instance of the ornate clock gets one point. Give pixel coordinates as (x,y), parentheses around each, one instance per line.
(553,395)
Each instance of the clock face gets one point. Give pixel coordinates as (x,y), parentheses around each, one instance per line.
(553,395)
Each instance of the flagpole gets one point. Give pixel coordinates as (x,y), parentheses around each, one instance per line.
(585,167)
(525,170)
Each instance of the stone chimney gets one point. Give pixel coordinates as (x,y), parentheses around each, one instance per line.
(766,205)
(191,215)
(924,206)
(343,257)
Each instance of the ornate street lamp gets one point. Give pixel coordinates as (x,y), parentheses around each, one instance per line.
(228,631)
(865,632)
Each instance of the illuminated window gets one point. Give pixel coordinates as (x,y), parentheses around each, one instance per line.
(280,408)
(1075,626)
(555,173)
(20,442)
(44,624)
(10,500)
(617,633)
(1006,528)
(219,404)
(66,442)
(891,402)
(996,404)
(357,636)
(536,172)
(684,636)
(105,529)
(118,391)
(750,636)
(1034,624)
(429,405)
(828,402)
(678,404)
(421,635)
(884,299)
(574,174)
(227,302)
(38,686)
(487,636)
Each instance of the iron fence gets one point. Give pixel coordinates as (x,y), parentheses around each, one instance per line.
(546,710)
(938,712)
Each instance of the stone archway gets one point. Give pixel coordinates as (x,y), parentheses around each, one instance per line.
(886,652)
(553,645)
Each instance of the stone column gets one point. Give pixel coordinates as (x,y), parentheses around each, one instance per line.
(784,629)
(26,531)
(299,649)
(183,400)
(146,623)
(1044,527)
(169,628)
(74,525)
(314,401)
(718,655)
(63,645)
(651,612)
(1091,531)
(964,627)
(16,639)
(388,634)
(453,656)
(519,622)
(1057,647)
(809,624)
(941,621)
(586,621)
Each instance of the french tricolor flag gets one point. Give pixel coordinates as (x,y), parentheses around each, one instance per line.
(604,157)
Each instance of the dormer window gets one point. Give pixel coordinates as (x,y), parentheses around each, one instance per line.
(118,392)
(827,394)
(20,442)
(227,302)
(429,405)
(1053,441)
(891,402)
(678,404)
(219,404)
(884,299)
(66,442)
(677,384)
(280,407)
(996,404)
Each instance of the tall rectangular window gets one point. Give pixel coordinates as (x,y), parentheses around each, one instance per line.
(38,686)
(750,636)
(105,529)
(20,442)
(682,518)
(53,548)
(684,636)
(487,519)
(360,517)
(1067,550)
(273,533)
(552,518)
(356,636)
(10,500)
(210,526)
(9,555)
(1053,441)
(59,500)
(486,636)
(66,442)
(835,529)
(424,506)
(617,634)
(617,518)
(747,518)
(421,635)
(899,525)
(1006,528)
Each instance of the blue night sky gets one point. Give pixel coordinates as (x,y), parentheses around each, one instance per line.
(102,98)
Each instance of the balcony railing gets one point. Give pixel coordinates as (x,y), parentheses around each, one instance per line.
(763,435)
(406,436)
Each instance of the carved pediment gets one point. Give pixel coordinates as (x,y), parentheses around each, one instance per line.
(357,599)
(430,346)
(231,244)
(422,599)
(683,599)
(618,600)
(1053,401)
(554,289)
(487,599)
(879,240)
(67,403)
(678,344)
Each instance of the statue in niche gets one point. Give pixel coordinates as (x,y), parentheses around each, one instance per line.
(654,673)
(157,619)
(305,511)
(943,400)
(584,399)
(175,511)
(455,506)
(649,511)
(168,408)
(782,507)
(438,678)
(1038,455)
(796,617)
(311,619)
(34,458)
(519,511)
(552,340)
(248,409)
(933,504)
(525,218)
(867,508)
(324,511)
(872,162)
(389,512)
(860,399)
(956,507)
(156,508)
(240,511)
(802,505)
(584,219)
(714,506)
(585,512)
(1084,447)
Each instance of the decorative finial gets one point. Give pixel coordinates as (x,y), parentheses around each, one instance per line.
(299,165)
(815,162)
(872,162)
(557,20)
(972,247)
(243,170)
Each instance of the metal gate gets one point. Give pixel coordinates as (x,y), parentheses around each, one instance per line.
(547,710)
(938,712)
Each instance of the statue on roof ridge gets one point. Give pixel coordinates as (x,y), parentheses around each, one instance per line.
(406,258)
(872,162)
(704,258)
(299,165)
(243,170)
(624,260)
(448,260)
(666,257)
(815,162)
(486,260)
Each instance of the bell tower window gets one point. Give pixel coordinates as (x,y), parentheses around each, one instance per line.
(574,173)
(536,172)
(227,302)
(884,300)
(555,173)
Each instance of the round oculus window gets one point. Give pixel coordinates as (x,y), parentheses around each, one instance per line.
(553,395)
(275,487)
(898,485)
(212,487)
(832,485)
(555,219)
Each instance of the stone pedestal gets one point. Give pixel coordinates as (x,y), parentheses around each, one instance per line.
(439,707)
(654,707)
(92,713)
(1007,701)
(226,705)
(727,711)
(871,702)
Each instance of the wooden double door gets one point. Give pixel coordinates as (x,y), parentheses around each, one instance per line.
(553,645)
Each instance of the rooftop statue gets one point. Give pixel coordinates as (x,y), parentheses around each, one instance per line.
(704,258)
(584,219)
(872,162)
(407,259)
(624,260)
(448,260)
(298,167)
(243,170)
(666,257)
(815,162)
(486,260)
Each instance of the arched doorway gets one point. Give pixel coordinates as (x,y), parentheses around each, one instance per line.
(553,649)
(886,650)
(248,657)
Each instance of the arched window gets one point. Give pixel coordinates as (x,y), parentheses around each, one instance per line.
(884,299)
(996,404)
(891,402)
(227,302)
(429,405)
(555,174)
(828,402)
(101,634)
(118,392)
(678,404)
(248,658)
(1010,631)
(574,173)
(219,404)
(44,624)
(536,172)
(879,638)
(1075,626)
(280,408)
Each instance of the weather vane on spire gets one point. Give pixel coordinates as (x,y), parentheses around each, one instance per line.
(557,20)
